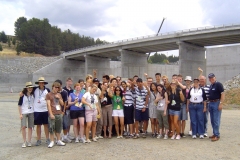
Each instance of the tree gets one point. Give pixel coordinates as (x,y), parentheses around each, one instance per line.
(18,49)
(3,37)
(14,41)
(9,42)
(18,25)
(1,47)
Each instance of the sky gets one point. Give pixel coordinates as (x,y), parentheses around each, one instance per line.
(114,20)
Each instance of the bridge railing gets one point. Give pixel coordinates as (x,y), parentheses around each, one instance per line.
(154,35)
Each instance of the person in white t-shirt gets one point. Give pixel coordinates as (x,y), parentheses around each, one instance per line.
(25,107)
(91,111)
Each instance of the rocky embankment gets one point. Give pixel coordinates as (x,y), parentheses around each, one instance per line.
(24,64)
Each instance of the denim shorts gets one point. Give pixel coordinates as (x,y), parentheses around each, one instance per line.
(173,112)
(141,116)
(183,112)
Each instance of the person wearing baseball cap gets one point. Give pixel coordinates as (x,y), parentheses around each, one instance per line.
(216,98)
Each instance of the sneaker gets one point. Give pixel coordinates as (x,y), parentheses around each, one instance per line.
(121,136)
(194,137)
(173,137)
(29,144)
(190,133)
(60,143)
(66,140)
(159,136)
(136,136)
(130,136)
(51,144)
(165,136)
(38,143)
(118,137)
(144,135)
(48,141)
(205,135)
(183,135)
(153,135)
(77,140)
(71,137)
(201,136)
(83,140)
(94,140)
(178,137)
(100,137)
(88,141)
(24,145)
(125,133)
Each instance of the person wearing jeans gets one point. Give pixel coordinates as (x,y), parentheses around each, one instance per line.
(196,105)
(216,97)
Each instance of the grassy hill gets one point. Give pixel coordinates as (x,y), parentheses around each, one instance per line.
(11,52)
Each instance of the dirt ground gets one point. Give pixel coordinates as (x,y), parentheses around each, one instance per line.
(226,148)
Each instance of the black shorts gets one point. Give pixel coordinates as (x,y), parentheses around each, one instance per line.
(77,114)
(40,118)
(128,114)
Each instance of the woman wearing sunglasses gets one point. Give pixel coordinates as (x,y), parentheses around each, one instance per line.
(118,100)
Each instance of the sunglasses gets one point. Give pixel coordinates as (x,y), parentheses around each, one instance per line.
(57,87)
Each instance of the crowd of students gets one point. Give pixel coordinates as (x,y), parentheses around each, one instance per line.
(93,108)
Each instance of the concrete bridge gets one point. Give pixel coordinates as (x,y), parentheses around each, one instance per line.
(191,44)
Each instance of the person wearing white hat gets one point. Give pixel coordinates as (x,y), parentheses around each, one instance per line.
(26,113)
(40,109)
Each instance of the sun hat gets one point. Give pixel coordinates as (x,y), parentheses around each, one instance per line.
(188,78)
(41,79)
(29,85)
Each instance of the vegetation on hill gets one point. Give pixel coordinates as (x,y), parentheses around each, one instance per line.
(39,36)
(162,58)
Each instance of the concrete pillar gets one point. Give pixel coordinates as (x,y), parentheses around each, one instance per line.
(102,65)
(133,63)
(190,58)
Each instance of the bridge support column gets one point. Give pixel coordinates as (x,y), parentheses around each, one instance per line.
(133,63)
(190,58)
(102,65)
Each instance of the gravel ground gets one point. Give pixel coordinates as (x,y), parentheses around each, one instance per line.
(226,148)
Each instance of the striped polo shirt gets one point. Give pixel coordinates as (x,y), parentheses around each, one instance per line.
(140,97)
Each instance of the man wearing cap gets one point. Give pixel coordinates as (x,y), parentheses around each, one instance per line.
(141,97)
(216,97)
(40,109)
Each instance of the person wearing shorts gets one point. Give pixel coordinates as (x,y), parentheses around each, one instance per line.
(41,110)
(90,101)
(118,100)
(77,112)
(141,110)
(54,103)
(26,112)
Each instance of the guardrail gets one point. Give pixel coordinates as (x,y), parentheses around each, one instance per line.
(155,35)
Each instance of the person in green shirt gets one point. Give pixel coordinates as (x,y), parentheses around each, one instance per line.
(118,101)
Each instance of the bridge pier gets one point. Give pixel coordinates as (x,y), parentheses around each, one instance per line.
(102,65)
(133,63)
(190,58)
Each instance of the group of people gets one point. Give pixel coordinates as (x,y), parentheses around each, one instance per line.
(93,108)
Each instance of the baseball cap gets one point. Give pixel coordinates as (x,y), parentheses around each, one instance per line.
(211,75)
(95,80)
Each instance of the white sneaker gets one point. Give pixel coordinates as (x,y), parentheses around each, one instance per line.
(118,137)
(29,144)
(76,140)
(190,133)
(60,143)
(100,137)
(205,135)
(201,136)
(88,141)
(24,145)
(51,144)
(94,140)
(165,136)
(194,137)
(159,136)
(178,137)
(66,140)
(173,137)
(71,137)
(83,140)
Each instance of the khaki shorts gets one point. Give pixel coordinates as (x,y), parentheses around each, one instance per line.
(55,124)
(27,119)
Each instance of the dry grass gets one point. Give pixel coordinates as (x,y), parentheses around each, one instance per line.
(232,99)
(11,52)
